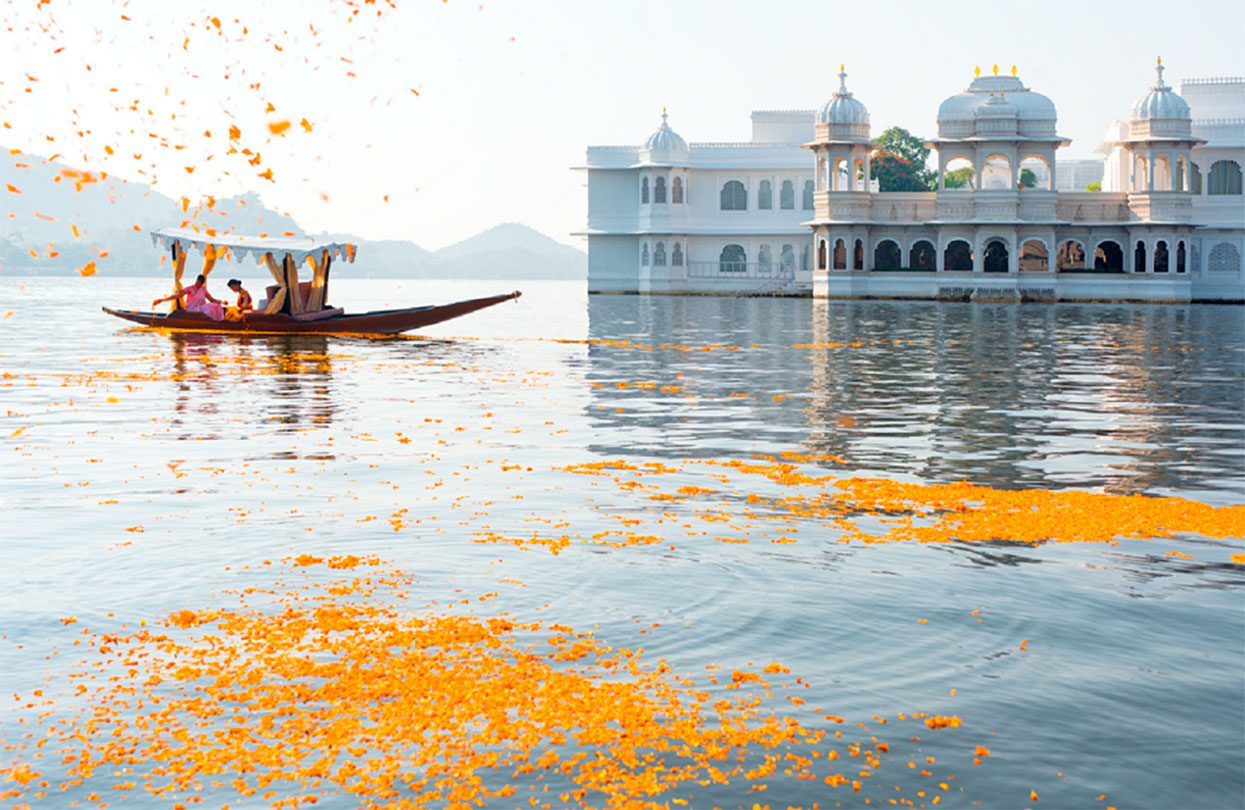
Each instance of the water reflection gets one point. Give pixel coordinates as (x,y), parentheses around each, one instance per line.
(1129,398)
(293,376)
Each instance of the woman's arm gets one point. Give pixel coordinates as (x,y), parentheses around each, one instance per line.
(169,297)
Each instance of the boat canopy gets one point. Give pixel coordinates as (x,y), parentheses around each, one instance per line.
(281,257)
(241,246)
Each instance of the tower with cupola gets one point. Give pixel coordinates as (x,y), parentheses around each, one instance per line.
(842,150)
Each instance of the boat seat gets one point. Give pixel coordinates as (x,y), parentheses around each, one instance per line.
(304,294)
(331,312)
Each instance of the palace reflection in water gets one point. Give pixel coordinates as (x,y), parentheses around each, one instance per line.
(1130,398)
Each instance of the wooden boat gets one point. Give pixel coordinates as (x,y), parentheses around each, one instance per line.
(291,306)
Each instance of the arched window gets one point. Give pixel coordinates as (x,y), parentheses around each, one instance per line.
(858,255)
(1224,177)
(676,190)
(840,254)
(821,254)
(1034,257)
(958,256)
(1162,173)
(765,261)
(994,258)
(959,174)
(659,254)
(923,256)
(644,190)
(734,196)
(1070,256)
(1139,174)
(676,254)
(1160,256)
(808,195)
(996,173)
(787,259)
(1109,256)
(1139,257)
(1196,182)
(733,259)
(659,190)
(886,255)
(1034,173)
(765,196)
(1224,258)
(644,254)
(858,176)
(840,179)
(786,196)
(1180,257)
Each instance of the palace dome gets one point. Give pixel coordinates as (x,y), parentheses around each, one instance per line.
(843,108)
(665,139)
(958,115)
(1162,102)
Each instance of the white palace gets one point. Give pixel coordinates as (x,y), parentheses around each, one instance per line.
(796,208)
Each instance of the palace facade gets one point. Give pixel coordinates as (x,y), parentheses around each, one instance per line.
(788,214)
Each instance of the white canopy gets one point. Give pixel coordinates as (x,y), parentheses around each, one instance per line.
(241,246)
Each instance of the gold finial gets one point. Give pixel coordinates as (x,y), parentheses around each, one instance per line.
(977,70)
(1013,70)
(996,70)
(663,109)
(842,69)
(1158,60)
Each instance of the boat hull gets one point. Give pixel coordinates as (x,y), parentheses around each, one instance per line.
(381,322)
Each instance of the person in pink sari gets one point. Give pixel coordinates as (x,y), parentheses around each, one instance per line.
(197,299)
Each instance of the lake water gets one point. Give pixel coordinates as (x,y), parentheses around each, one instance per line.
(147,473)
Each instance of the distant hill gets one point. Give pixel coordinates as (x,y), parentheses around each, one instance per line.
(50,204)
(512,250)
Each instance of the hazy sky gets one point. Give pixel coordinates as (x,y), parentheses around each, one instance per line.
(510,93)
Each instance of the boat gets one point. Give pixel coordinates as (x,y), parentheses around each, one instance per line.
(291,305)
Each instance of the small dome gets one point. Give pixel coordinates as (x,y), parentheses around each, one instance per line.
(843,108)
(665,139)
(996,106)
(1161,102)
(996,118)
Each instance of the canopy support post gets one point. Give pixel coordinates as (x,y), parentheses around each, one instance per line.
(294,296)
(278,301)
(328,265)
(179,267)
(319,279)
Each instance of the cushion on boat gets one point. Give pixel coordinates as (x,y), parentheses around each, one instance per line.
(332,312)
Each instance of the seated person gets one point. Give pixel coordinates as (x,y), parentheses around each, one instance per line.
(198,299)
(244,305)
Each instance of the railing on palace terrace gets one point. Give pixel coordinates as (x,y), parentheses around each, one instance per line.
(737,271)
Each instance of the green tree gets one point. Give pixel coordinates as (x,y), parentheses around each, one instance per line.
(1027,178)
(899,162)
(1096,185)
(958,178)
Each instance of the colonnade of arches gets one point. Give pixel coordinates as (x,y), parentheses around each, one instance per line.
(959,254)
(996,171)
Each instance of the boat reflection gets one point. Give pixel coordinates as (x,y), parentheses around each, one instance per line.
(280,383)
